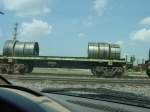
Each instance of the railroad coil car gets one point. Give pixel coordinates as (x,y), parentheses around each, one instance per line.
(104,59)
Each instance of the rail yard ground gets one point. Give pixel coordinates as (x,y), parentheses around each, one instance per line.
(135,82)
(62,72)
(78,72)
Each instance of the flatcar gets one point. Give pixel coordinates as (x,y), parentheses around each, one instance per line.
(104,59)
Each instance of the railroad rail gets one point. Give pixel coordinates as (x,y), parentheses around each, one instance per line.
(77,80)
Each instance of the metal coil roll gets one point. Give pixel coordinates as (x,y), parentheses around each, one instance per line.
(16,48)
(115,51)
(103,51)
(93,50)
(8,47)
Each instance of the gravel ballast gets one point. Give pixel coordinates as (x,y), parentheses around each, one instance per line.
(39,85)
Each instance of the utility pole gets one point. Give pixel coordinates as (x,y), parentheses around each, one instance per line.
(137,62)
(126,58)
(143,61)
(15,32)
(132,59)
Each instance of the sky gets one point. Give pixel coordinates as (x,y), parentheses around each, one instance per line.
(64,27)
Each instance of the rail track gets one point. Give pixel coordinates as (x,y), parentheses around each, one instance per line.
(77,80)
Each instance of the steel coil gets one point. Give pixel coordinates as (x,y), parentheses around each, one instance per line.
(19,49)
(93,50)
(31,48)
(115,51)
(8,48)
(103,51)
(16,48)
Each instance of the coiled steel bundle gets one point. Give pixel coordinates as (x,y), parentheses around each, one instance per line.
(17,48)
(103,51)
